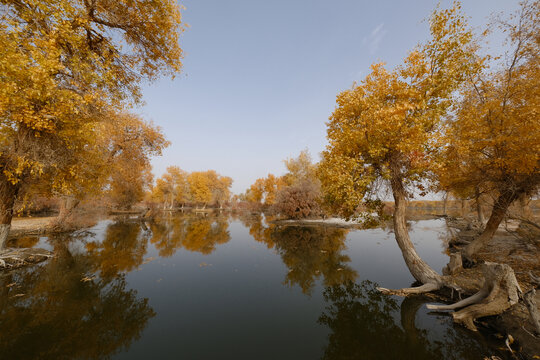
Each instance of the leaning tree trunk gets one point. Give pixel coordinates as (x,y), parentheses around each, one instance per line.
(497,215)
(8,193)
(419,269)
(500,289)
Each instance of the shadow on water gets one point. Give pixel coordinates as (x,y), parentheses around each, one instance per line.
(61,310)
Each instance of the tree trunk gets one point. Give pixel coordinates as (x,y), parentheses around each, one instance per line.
(479,210)
(525,209)
(67,205)
(419,269)
(463,203)
(8,193)
(445,203)
(497,215)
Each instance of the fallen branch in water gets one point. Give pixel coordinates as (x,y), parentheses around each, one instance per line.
(15,258)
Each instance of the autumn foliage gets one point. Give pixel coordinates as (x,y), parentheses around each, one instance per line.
(294,195)
(448,117)
(65,67)
(299,201)
(199,189)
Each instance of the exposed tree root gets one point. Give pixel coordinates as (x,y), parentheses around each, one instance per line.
(465,302)
(410,291)
(15,258)
(499,292)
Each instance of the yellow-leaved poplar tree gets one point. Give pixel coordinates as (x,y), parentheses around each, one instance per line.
(493,139)
(62,65)
(200,188)
(383,129)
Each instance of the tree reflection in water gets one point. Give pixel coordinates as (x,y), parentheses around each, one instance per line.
(193,232)
(309,252)
(60,309)
(122,249)
(366,324)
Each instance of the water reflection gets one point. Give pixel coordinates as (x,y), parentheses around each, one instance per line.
(366,324)
(193,232)
(61,310)
(80,305)
(121,250)
(309,252)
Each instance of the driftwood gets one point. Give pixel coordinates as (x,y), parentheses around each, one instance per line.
(15,258)
(412,290)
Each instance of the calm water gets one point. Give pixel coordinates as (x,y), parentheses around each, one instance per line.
(215,287)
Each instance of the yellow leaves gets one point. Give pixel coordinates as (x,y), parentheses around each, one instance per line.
(389,121)
(66,65)
(200,187)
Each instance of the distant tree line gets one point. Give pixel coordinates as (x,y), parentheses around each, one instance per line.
(178,188)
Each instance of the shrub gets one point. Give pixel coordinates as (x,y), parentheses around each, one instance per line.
(299,201)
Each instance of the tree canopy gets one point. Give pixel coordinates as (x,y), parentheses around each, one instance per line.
(65,65)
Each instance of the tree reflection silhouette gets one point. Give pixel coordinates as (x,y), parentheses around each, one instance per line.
(366,324)
(168,234)
(312,252)
(192,232)
(309,252)
(122,249)
(52,311)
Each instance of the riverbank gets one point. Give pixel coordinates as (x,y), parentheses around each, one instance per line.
(30,226)
(337,222)
(517,245)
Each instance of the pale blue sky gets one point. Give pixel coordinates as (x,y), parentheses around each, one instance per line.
(260,77)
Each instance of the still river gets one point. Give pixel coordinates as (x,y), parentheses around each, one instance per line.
(207,286)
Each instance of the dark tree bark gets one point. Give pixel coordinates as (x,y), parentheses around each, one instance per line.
(8,194)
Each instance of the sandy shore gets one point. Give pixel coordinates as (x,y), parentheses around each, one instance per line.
(29,225)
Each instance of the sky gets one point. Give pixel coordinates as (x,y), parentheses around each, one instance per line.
(260,78)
